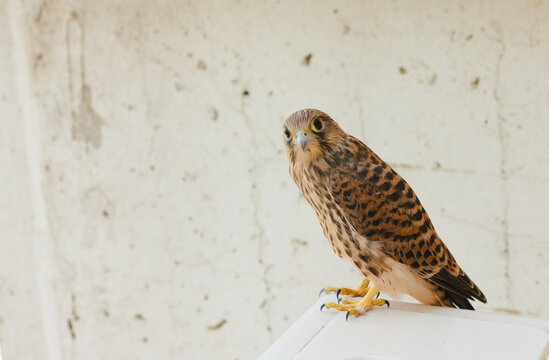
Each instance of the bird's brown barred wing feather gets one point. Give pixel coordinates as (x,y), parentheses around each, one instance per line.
(382,207)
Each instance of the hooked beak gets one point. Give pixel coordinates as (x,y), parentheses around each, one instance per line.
(302,139)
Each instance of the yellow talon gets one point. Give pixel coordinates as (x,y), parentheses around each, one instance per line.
(329,289)
(358,307)
(380,302)
(349,301)
(360,291)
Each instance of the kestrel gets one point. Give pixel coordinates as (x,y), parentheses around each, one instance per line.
(372,217)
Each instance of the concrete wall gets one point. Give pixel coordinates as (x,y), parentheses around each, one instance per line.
(147,211)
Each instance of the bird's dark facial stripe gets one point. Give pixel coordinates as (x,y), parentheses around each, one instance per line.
(287,134)
(320,135)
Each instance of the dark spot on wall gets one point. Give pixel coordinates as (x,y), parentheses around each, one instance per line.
(433,79)
(245,92)
(105,213)
(145,339)
(86,126)
(39,14)
(298,243)
(218,325)
(151,168)
(139,317)
(201,65)
(215,114)
(178,86)
(38,60)
(190,55)
(307,59)
(335,11)
(402,70)
(469,37)
(346,29)
(106,313)
(75,315)
(474,83)
(71,329)
(270,93)
(189,176)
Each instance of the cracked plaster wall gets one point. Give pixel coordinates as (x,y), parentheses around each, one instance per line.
(147,210)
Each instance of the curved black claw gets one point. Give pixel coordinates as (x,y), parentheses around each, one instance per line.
(321,291)
(322,307)
(337,295)
(387,303)
(347,316)
(377,295)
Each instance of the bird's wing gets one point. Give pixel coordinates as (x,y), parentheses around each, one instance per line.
(381,206)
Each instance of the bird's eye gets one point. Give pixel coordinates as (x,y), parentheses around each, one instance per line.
(287,134)
(317,125)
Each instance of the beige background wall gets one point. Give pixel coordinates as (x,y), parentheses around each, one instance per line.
(146,207)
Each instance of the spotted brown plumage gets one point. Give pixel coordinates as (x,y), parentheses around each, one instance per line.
(371,216)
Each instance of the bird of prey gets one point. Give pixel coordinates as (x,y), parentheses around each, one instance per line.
(373,218)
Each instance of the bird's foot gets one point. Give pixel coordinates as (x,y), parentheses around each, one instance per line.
(361,291)
(358,307)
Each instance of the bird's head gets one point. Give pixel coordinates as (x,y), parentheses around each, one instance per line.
(309,134)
